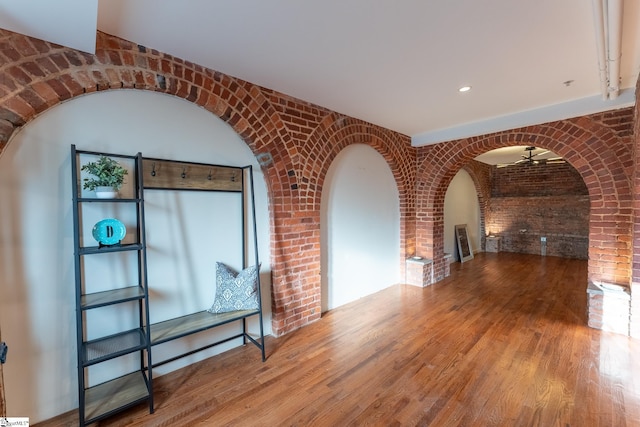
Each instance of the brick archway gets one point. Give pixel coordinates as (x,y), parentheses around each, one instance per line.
(40,75)
(601,154)
(337,132)
(332,135)
(303,139)
(480,174)
(37,75)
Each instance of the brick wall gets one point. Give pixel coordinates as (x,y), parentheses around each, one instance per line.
(524,180)
(521,224)
(598,146)
(480,174)
(531,202)
(303,139)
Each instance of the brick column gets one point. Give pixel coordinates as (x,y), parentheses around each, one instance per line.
(419,272)
(609,307)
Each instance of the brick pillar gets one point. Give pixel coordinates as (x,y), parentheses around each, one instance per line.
(419,272)
(447,264)
(609,308)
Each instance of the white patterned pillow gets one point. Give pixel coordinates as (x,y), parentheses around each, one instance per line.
(235,291)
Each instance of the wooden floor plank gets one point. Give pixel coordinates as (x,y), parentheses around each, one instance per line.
(503,341)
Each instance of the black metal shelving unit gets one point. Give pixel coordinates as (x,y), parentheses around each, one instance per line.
(117,394)
(99,401)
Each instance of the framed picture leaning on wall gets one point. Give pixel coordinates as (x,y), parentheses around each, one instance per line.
(463,243)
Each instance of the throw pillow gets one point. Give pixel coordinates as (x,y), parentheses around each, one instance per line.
(235,291)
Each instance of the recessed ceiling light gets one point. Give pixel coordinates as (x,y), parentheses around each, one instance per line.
(464,89)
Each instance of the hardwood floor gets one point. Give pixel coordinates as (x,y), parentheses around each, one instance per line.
(502,342)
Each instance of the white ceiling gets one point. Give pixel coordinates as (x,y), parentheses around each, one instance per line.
(397,64)
(67,22)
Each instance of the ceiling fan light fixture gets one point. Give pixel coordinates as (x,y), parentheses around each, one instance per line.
(533,156)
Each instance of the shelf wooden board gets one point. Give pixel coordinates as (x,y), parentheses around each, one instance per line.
(88,250)
(200,321)
(113,346)
(115,296)
(115,395)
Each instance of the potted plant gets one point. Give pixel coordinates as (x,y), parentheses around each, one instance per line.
(107,179)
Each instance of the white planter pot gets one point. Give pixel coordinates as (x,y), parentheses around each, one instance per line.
(106,193)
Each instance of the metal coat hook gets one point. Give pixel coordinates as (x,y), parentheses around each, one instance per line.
(209,177)
(233,177)
(184,173)
(153,169)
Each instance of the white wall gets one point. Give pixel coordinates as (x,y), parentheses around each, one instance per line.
(360,225)
(461,207)
(185,238)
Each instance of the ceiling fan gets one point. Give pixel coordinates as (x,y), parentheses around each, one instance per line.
(530,158)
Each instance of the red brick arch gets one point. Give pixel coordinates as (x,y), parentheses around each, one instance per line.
(37,75)
(480,174)
(332,134)
(601,155)
(303,140)
(335,133)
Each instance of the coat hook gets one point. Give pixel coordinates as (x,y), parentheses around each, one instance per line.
(233,177)
(184,173)
(209,176)
(153,169)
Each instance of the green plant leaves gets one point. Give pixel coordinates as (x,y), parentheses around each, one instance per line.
(107,173)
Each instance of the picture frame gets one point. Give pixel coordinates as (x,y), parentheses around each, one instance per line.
(464,245)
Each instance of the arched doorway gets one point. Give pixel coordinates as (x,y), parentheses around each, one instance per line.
(360,227)
(601,156)
(461,206)
(539,204)
(36,251)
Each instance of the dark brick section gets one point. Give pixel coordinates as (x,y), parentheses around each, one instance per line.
(526,180)
(521,222)
(532,203)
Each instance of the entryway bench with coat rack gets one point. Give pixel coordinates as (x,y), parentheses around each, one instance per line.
(105,399)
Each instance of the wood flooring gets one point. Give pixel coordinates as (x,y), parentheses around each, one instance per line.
(503,341)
